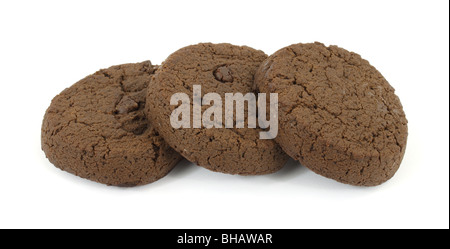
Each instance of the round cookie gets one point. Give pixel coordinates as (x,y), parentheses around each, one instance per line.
(97,129)
(217,68)
(337,114)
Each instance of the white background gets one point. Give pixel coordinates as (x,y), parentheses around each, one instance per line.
(45,46)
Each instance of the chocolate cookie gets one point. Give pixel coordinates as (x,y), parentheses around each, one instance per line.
(338,115)
(217,68)
(97,129)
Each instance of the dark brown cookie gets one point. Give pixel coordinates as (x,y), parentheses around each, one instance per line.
(217,68)
(97,129)
(338,115)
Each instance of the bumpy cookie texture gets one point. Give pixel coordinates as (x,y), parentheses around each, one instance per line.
(337,114)
(218,68)
(97,129)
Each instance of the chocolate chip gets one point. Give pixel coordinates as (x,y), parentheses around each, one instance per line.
(223,74)
(126,105)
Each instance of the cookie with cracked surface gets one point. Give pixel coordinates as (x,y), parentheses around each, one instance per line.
(97,129)
(337,114)
(217,68)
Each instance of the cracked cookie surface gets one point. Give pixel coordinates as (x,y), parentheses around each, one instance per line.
(337,114)
(218,68)
(97,129)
